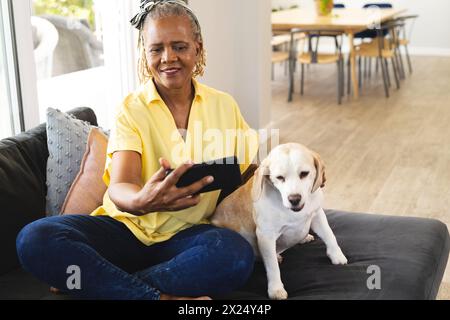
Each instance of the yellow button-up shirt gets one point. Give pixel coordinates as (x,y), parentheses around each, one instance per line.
(144,124)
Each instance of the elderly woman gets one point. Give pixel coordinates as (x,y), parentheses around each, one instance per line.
(150,239)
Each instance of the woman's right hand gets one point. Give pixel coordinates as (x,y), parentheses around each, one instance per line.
(160,193)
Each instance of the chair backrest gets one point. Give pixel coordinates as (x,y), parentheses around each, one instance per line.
(77,49)
(391,28)
(313,38)
(339,6)
(382,5)
(45,39)
(404,20)
(371,33)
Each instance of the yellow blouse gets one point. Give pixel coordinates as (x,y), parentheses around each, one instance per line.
(144,124)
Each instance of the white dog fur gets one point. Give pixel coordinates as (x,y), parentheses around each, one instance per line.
(277,207)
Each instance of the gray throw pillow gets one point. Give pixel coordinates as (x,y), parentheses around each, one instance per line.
(66,141)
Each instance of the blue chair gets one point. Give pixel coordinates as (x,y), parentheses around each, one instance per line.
(379,5)
(372,33)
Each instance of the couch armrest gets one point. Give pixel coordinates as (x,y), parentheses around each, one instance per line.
(85,114)
(23,162)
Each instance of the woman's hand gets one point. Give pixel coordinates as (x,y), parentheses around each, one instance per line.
(161,194)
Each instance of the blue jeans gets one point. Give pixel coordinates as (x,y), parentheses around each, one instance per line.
(114,264)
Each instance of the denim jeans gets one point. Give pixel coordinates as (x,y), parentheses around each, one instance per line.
(114,264)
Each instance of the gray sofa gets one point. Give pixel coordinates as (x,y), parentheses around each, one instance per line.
(409,253)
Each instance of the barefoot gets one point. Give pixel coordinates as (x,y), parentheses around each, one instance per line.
(55,290)
(164,296)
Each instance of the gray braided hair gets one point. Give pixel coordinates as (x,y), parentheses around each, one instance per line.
(162,9)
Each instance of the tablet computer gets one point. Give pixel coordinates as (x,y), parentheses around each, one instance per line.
(226,173)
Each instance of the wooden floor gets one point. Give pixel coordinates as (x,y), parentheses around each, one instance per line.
(385,156)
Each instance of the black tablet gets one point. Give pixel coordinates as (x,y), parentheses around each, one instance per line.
(225,171)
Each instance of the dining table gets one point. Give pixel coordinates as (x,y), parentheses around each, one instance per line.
(346,20)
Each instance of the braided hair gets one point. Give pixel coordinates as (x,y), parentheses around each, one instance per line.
(162,9)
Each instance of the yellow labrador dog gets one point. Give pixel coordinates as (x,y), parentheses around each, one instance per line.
(277,207)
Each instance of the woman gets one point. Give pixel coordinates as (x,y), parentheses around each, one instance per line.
(150,239)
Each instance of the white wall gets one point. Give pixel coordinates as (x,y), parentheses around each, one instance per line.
(237,39)
(430,35)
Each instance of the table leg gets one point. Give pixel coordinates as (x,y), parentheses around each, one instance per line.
(353,66)
(291,68)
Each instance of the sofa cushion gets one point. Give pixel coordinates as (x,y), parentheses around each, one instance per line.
(66,141)
(88,188)
(23,161)
(411,253)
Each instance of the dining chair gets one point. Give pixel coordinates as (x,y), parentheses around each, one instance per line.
(334,34)
(383,49)
(280,49)
(307,53)
(278,57)
(382,5)
(405,36)
(371,33)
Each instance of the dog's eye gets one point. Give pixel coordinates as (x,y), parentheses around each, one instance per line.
(281,178)
(304,174)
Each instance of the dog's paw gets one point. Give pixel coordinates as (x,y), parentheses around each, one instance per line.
(279,258)
(337,257)
(307,239)
(278,293)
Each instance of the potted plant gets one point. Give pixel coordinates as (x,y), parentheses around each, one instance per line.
(324,7)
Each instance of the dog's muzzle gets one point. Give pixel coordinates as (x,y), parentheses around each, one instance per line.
(298,209)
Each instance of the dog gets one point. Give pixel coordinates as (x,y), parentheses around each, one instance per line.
(278,206)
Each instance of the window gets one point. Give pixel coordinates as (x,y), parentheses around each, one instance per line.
(68,55)
(82,54)
(67,37)
(39,71)
(11,122)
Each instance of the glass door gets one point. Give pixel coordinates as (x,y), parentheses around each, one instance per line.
(68,54)
(71,53)
(11,120)
(81,52)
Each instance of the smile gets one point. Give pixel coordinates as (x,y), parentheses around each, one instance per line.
(171,71)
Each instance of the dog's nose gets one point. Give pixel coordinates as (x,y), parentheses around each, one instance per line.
(295,199)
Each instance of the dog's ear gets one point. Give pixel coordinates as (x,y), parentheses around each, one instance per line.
(320,179)
(258,179)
